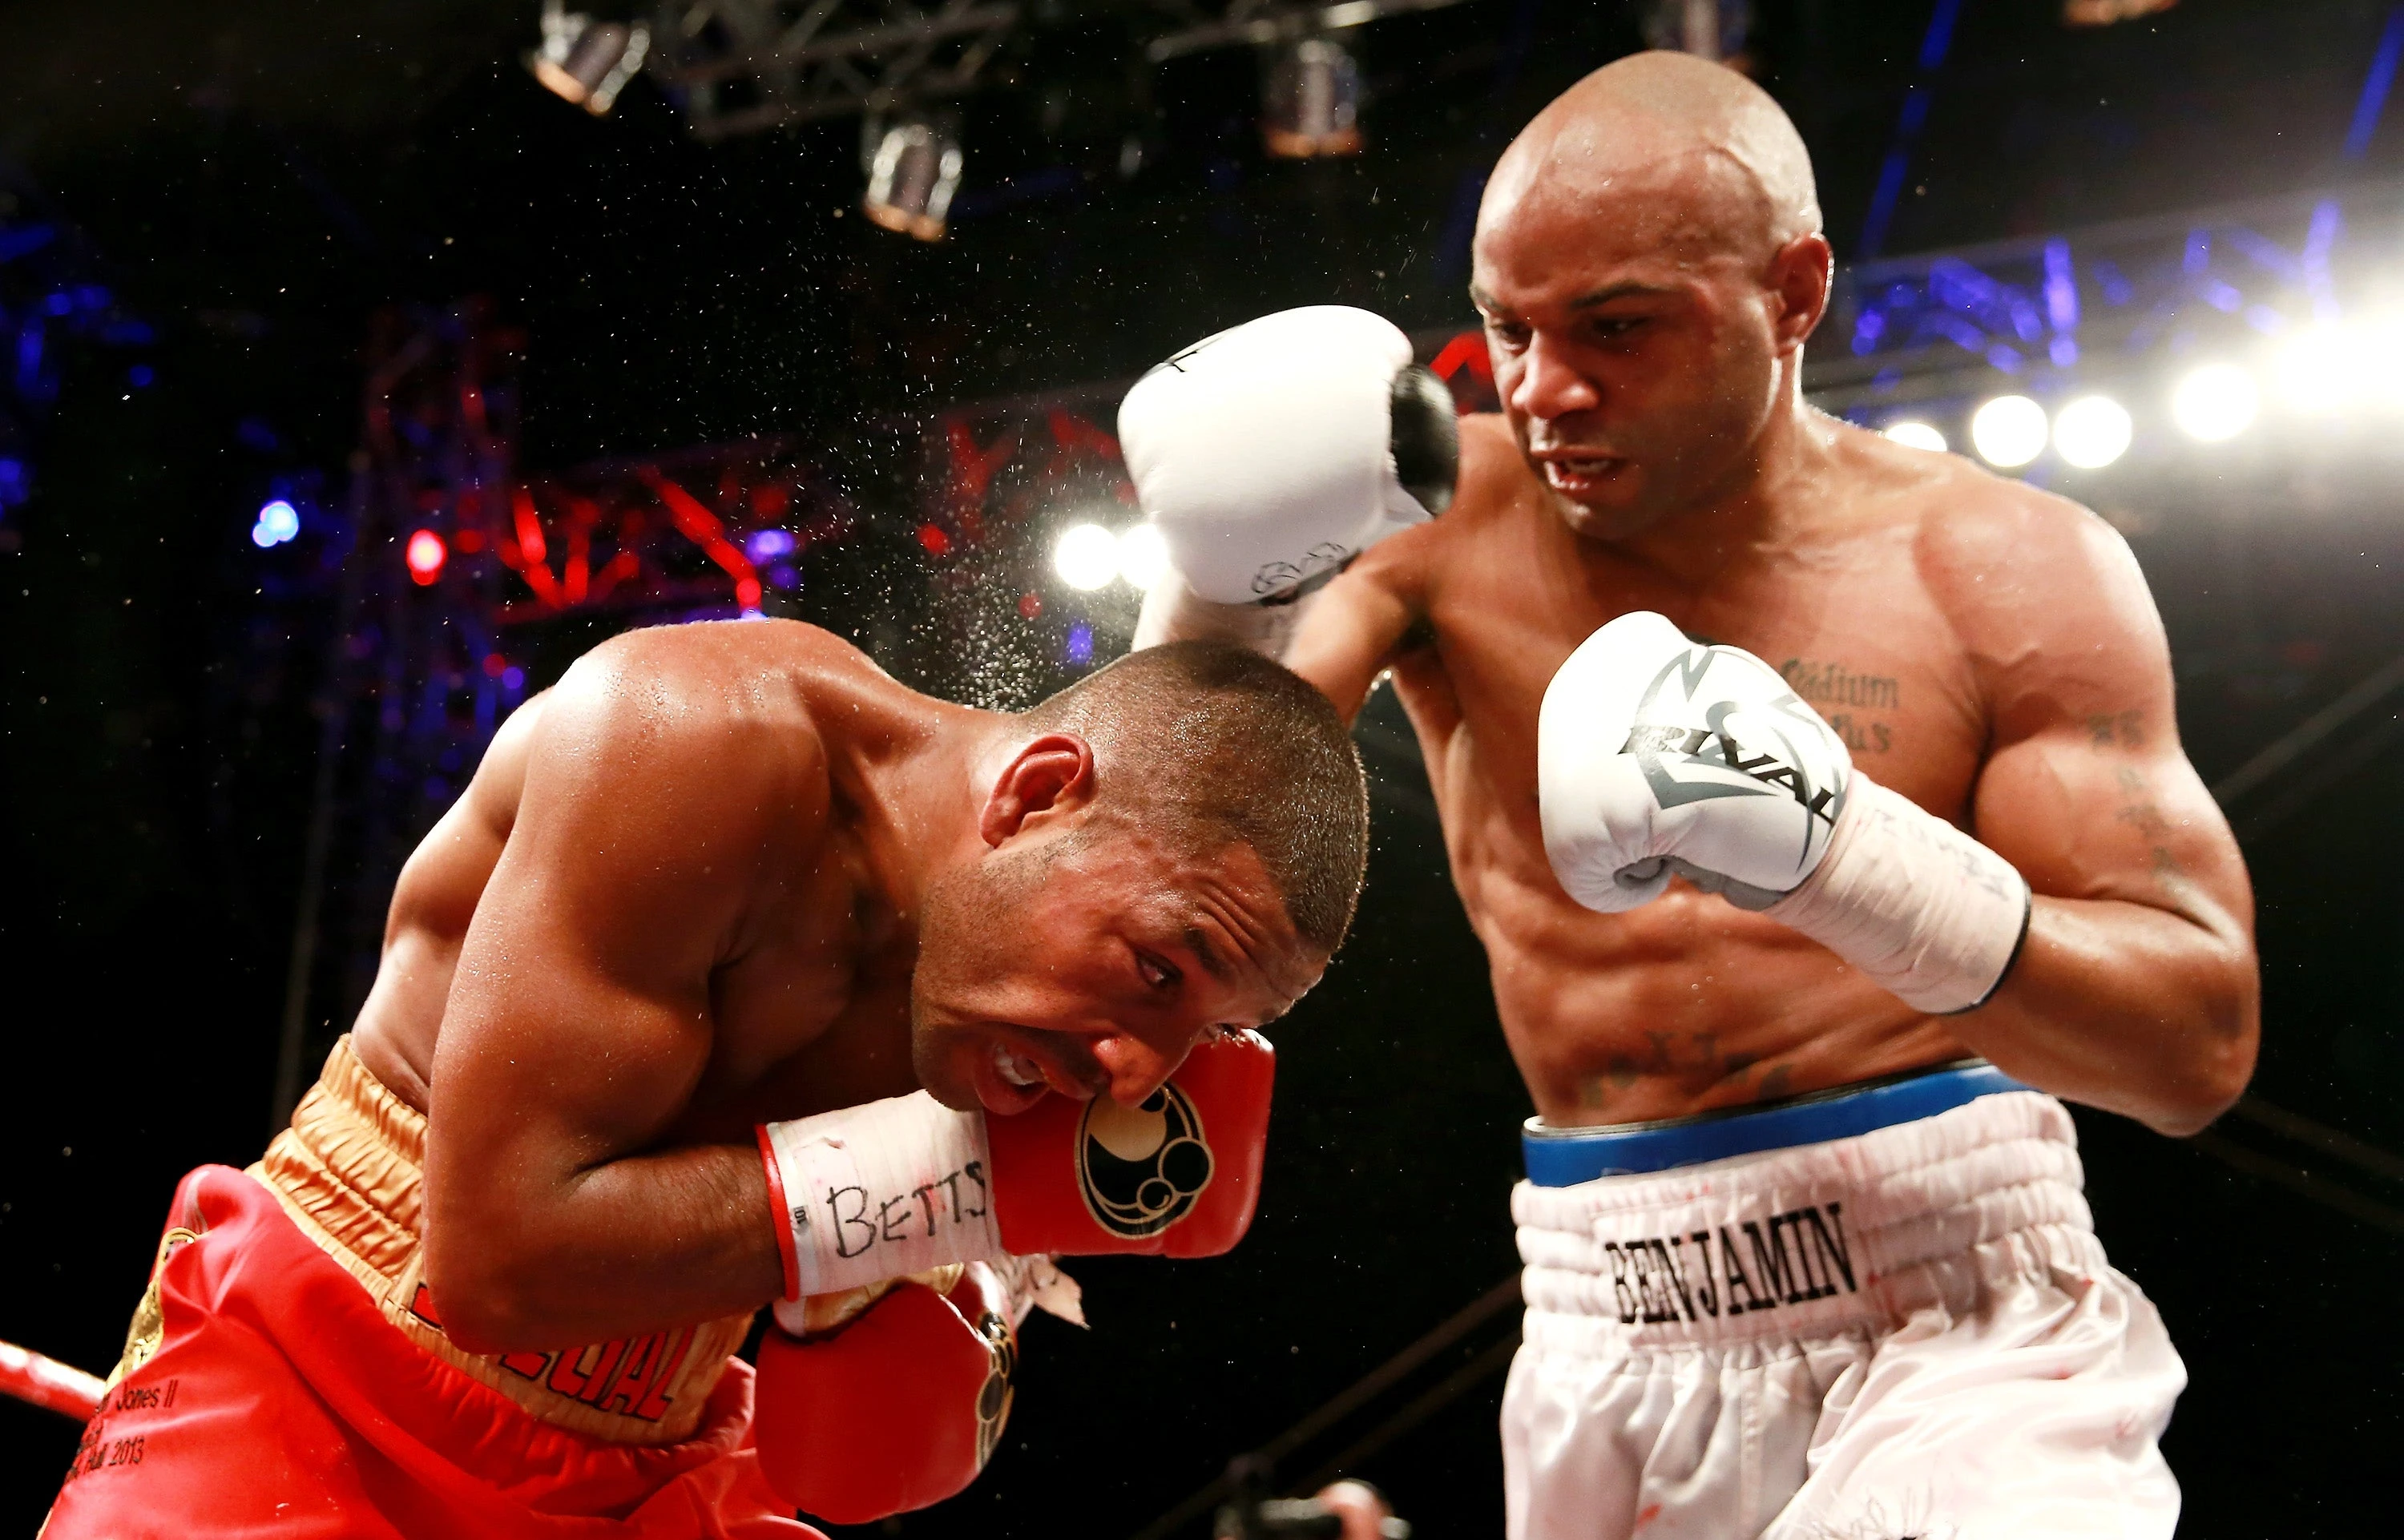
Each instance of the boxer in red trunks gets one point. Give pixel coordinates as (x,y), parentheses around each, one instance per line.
(741,974)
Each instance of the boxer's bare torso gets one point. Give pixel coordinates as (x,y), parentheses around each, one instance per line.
(1987,650)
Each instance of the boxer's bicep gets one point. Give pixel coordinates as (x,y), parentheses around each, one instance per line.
(579,1021)
(2088,820)
(2086,788)
(1351,634)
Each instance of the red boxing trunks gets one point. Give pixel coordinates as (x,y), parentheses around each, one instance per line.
(266,1390)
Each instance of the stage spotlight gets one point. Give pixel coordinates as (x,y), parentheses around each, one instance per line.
(587,62)
(1142,556)
(1916,435)
(2215,401)
(1086,557)
(1311,102)
(277,523)
(912,177)
(425,553)
(2092,432)
(2327,370)
(2007,431)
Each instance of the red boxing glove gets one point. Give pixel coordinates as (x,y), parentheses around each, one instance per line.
(897,1409)
(1178,1175)
(900,1187)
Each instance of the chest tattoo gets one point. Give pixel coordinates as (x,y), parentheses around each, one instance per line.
(1857,706)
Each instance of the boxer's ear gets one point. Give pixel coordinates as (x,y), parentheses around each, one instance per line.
(1801,273)
(1048,777)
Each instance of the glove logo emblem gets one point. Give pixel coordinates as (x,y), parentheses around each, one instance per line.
(993,1401)
(1779,747)
(1326,557)
(1139,1169)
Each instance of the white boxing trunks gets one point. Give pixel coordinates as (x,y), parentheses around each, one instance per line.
(1910,1331)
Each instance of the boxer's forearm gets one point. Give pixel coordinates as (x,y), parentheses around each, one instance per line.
(627,1247)
(2126,1007)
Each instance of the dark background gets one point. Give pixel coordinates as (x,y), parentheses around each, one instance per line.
(256,180)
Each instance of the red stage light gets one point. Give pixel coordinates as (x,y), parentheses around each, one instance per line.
(1031,605)
(934,539)
(427,554)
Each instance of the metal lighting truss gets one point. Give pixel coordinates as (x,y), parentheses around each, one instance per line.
(1201,24)
(744,66)
(2048,309)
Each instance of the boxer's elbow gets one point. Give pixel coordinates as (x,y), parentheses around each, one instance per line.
(487,1300)
(2214,1053)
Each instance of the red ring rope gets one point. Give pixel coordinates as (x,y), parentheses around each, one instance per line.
(47,1383)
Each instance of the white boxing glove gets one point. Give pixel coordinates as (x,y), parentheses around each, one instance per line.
(1660,756)
(1271,453)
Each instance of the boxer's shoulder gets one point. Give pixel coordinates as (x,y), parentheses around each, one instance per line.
(1494,484)
(1493,473)
(657,713)
(2008,564)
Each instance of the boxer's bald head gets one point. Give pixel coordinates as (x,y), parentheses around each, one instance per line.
(1689,149)
(1649,260)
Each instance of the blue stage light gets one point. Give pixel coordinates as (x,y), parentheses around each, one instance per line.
(766,545)
(1080,650)
(278,522)
(141,377)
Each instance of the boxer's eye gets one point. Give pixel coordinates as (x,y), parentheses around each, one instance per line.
(1156,974)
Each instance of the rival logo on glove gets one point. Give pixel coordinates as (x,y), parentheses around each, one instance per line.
(1679,765)
(1139,1169)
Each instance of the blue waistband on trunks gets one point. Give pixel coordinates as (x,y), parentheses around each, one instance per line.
(1563,1158)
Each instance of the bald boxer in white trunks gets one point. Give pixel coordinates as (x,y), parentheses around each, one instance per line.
(1820,805)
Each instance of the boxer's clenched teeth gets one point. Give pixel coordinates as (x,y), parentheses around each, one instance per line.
(1015,1069)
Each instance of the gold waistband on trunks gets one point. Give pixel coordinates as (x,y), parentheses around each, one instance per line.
(350,1172)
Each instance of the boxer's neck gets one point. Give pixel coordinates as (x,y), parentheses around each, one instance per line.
(914,772)
(1753,507)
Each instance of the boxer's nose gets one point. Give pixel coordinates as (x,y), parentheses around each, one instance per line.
(1136,1067)
(1547,386)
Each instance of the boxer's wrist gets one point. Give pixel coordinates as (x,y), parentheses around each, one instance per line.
(1927,913)
(1172,611)
(868,1192)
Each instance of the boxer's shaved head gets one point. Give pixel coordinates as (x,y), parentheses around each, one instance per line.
(1689,145)
(1212,745)
(1649,260)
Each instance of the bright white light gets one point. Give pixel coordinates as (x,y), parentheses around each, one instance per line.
(2092,432)
(2007,431)
(1086,557)
(1143,556)
(2215,401)
(1916,436)
(278,522)
(2329,368)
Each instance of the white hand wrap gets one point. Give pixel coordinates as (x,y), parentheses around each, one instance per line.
(868,1192)
(1928,913)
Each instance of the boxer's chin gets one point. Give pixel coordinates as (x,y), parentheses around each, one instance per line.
(1611,514)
